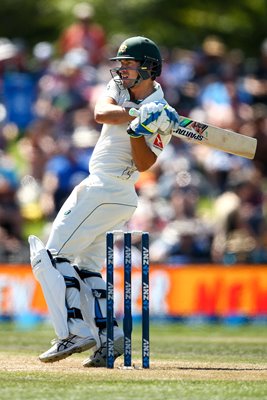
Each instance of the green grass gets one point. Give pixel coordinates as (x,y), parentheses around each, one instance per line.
(187,362)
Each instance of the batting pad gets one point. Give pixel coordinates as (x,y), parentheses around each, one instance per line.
(88,306)
(53,286)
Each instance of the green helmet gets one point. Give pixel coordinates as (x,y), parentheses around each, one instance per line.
(141,49)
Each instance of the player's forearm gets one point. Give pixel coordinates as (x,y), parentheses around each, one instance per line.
(143,157)
(112,114)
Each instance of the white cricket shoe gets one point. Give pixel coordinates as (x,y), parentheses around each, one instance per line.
(99,358)
(63,348)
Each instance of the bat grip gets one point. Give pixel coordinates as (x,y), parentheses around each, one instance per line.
(133,112)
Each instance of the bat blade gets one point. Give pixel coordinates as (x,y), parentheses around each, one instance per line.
(217,138)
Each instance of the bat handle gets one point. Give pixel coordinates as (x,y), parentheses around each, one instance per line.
(133,112)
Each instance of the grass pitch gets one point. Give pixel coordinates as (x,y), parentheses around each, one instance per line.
(187,362)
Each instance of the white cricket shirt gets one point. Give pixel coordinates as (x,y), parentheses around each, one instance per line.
(112,153)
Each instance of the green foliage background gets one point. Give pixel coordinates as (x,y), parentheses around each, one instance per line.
(240,23)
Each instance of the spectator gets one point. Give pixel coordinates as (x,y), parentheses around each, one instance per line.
(18,89)
(119,252)
(186,237)
(256,79)
(62,91)
(36,147)
(187,186)
(67,169)
(259,131)
(84,33)
(12,247)
(239,221)
(42,57)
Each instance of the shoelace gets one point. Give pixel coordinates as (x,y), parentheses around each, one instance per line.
(63,342)
(100,349)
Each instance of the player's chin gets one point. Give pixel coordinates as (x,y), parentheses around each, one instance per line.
(127,83)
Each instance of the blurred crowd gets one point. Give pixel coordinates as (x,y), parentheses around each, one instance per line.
(199,205)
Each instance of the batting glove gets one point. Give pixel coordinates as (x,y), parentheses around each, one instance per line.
(153,117)
(169,120)
(135,129)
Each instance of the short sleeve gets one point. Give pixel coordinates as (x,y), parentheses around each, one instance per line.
(112,90)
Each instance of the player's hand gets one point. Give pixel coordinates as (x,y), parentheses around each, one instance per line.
(135,129)
(150,116)
(147,121)
(153,117)
(169,120)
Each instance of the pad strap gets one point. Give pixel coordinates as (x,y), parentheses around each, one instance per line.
(72,282)
(60,259)
(83,273)
(74,313)
(100,321)
(99,293)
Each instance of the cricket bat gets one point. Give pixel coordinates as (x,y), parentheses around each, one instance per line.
(212,136)
(217,138)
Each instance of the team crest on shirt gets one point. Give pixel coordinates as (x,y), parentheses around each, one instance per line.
(158,142)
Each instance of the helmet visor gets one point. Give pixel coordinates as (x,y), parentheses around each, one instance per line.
(122,76)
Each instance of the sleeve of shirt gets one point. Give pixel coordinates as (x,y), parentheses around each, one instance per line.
(112,90)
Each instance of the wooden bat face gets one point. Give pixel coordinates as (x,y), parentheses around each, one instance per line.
(217,138)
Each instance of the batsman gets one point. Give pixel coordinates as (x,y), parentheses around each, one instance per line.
(69,266)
